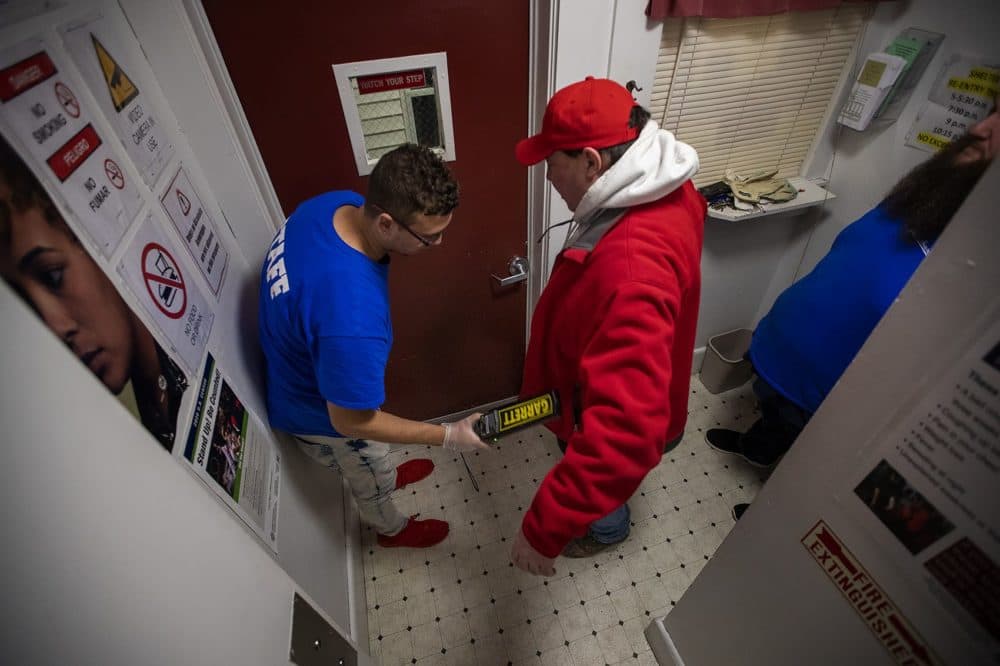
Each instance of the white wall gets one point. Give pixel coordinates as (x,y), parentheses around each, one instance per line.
(312,545)
(114,553)
(746,265)
(867,164)
(742,262)
(314,513)
(762,599)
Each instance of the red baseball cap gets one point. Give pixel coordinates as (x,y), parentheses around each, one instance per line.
(592,112)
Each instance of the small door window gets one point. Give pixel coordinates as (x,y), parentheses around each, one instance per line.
(394,101)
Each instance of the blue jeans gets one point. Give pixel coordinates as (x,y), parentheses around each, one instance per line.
(369,472)
(613,527)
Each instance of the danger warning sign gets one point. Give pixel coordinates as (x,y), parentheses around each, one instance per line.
(24,75)
(904,644)
(112,66)
(120,86)
(74,153)
(184,202)
(164,281)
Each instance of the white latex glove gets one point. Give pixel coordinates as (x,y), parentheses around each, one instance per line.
(459,436)
(525,557)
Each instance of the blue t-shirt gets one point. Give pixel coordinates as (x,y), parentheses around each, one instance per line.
(324,320)
(817,325)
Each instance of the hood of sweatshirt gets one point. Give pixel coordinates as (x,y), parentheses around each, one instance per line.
(653,167)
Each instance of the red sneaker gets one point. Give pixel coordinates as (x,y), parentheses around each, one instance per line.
(412,471)
(416,534)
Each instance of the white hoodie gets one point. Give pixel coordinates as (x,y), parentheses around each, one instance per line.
(653,167)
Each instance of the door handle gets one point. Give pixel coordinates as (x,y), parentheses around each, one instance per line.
(518,269)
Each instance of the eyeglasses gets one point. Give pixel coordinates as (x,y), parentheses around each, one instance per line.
(427,241)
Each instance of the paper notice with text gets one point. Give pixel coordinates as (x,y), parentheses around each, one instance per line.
(931,482)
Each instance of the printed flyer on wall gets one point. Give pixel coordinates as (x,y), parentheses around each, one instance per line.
(56,128)
(232,450)
(111,63)
(67,286)
(962,95)
(927,492)
(151,269)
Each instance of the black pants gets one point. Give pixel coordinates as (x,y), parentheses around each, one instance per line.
(779,425)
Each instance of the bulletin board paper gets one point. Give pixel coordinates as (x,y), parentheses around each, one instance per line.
(233,451)
(185,209)
(962,95)
(55,125)
(108,60)
(152,271)
(927,489)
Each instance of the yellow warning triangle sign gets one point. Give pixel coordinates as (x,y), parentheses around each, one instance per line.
(120,86)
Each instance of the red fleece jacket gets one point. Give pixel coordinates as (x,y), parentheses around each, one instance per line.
(613,333)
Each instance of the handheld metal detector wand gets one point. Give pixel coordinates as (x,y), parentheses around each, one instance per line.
(512,417)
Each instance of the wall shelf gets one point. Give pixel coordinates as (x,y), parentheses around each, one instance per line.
(810,194)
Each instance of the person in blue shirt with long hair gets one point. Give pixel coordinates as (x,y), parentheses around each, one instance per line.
(817,326)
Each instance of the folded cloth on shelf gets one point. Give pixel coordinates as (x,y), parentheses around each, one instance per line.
(760,184)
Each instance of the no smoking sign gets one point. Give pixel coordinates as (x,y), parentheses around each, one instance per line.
(67,99)
(114,173)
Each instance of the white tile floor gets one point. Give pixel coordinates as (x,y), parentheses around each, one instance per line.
(463,603)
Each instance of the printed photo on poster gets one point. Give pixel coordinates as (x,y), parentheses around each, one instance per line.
(108,59)
(230,447)
(42,259)
(56,127)
(901,508)
(152,270)
(228,437)
(928,482)
(973,579)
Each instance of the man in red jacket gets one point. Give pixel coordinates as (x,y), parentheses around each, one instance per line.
(613,332)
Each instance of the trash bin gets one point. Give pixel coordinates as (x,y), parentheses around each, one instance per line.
(724,367)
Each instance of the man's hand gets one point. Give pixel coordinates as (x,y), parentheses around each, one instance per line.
(459,435)
(525,557)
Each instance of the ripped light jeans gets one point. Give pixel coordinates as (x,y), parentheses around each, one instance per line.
(369,472)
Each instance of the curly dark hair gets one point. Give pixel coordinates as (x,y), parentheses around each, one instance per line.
(928,197)
(411,180)
(26,191)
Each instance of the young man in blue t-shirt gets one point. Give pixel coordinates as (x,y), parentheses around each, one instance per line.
(817,326)
(326,333)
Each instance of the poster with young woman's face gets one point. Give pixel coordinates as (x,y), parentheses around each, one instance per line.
(42,259)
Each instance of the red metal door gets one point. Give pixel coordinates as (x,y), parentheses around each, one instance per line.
(459,340)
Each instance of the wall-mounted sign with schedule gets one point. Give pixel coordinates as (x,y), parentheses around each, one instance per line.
(963,94)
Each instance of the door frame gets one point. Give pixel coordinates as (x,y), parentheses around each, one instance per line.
(541,84)
(543,24)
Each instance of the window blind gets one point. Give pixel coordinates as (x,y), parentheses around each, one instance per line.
(750,93)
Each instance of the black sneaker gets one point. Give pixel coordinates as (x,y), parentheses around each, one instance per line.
(723,440)
(728,441)
(739,510)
